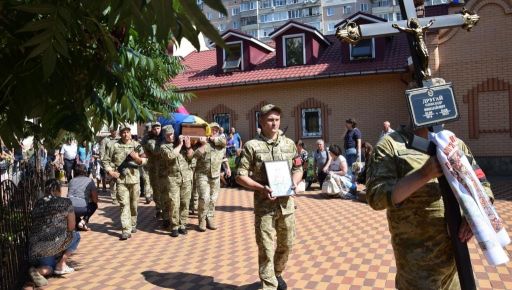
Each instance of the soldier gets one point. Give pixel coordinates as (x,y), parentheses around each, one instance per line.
(104,147)
(127,177)
(403,181)
(272,215)
(152,150)
(178,183)
(146,186)
(194,196)
(209,157)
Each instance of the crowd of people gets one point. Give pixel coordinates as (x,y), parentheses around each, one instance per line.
(182,175)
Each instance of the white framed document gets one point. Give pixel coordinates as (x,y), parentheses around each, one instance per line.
(279,178)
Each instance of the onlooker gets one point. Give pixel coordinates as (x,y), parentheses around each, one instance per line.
(230,145)
(52,238)
(84,155)
(337,168)
(237,138)
(367,148)
(68,154)
(352,142)
(84,196)
(321,158)
(303,154)
(386,129)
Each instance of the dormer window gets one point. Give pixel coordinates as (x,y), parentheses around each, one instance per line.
(294,50)
(364,49)
(233,56)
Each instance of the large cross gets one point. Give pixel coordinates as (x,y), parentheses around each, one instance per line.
(415,29)
(353,33)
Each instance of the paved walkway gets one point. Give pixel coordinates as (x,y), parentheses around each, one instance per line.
(340,244)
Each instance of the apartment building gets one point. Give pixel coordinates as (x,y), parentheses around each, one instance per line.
(259,18)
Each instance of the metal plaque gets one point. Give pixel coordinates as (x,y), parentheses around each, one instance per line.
(433,105)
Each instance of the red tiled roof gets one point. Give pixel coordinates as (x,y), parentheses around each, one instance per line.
(201,67)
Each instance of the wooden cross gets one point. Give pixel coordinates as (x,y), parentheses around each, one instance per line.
(415,28)
(353,33)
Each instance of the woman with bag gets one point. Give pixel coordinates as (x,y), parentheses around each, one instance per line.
(52,238)
(337,169)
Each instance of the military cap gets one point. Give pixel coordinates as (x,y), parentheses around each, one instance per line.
(124,127)
(214,124)
(168,129)
(156,124)
(268,108)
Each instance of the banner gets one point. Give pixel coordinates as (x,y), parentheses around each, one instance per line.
(476,206)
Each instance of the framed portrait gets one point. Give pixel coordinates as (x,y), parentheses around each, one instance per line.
(279,178)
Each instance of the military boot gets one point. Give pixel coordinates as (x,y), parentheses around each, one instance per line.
(202,225)
(281,284)
(210,224)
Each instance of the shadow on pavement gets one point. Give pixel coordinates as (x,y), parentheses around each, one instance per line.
(182,281)
(233,208)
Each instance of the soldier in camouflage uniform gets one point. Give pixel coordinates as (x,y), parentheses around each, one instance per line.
(178,183)
(148,191)
(403,181)
(152,150)
(272,214)
(194,196)
(104,147)
(128,187)
(209,157)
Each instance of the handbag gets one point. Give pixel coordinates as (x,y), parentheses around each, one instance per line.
(330,187)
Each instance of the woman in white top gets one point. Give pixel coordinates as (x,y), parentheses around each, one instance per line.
(337,168)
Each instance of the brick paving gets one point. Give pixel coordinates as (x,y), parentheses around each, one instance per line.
(340,244)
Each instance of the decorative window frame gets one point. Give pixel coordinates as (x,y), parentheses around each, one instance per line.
(252,117)
(305,134)
(303,36)
(373,51)
(222,109)
(229,120)
(325,111)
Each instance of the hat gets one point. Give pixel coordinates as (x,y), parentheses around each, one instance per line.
(214,124)
(156,124)
(124,127)
(168,130)
(267,108)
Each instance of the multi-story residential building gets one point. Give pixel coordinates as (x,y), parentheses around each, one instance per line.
(259,18)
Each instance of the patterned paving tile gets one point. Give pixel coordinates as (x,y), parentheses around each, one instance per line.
(340,245)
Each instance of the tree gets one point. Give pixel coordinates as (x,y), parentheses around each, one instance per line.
(75,65)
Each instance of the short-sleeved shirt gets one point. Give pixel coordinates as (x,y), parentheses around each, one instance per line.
(321,158)
(351,138)
(79,190)
(69,151)
(49,235)
(336,163)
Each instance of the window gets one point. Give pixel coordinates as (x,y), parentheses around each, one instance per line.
(236,25)
(233,57)
(252,32)
(209,15)
(294,1)
(248,20)
(347,9)
(265,4)
(311,11)
(330,27)
(235,11)
(294,53)
(398,16)
(221,27)
(363,49)
(246,6)
(382,3)
(279,2)
(294,14)
(364,7)
(221,15)
(266,31)
(223,120)
(311,122)
(257,117)
(330,11)
(314,24)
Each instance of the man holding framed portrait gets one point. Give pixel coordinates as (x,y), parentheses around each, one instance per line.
(274,205)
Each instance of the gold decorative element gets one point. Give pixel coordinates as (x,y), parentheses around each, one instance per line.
(417,31)
(470,19)
(349,32)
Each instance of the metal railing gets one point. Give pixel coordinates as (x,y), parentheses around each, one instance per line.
(17,197)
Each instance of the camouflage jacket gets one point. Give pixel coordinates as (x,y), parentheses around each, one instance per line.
(210,161)
(151,146)
(254,154)
(116,155)
(423,250)
(105,144)
(175,165)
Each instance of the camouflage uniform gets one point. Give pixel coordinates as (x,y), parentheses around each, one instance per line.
(178,184)
(128,187)
(152,149)
(207,175)
(271,216)
(422,247)
(194,195)
(104,147)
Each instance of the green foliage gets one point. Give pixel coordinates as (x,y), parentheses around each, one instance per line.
(75,65)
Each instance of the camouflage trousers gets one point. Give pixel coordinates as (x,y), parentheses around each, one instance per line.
(148,191)
(179,199)
(128,198)
(194,196)
(208,190)
(111,186)
(164,195)
(154,181)
(272,262)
